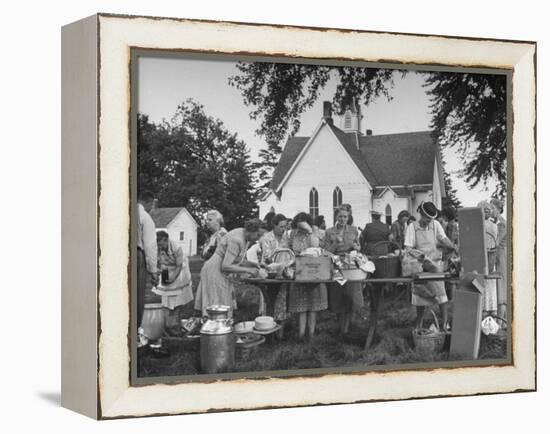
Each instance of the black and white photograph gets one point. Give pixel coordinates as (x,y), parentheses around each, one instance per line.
(298,216)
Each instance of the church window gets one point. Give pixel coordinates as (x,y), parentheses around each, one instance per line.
(313,203)
(347,120)
(336,200)
(388,214)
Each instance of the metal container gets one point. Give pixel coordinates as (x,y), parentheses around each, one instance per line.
(154,318)
(217,341)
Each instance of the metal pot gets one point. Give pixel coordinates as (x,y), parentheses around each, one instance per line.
(217,341)
(154,318)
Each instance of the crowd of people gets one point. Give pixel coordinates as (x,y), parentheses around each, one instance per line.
(244,251)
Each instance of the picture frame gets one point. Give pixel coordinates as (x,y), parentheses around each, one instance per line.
(97,179)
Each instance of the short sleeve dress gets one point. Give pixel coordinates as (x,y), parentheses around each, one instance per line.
(304,297)
(216,286)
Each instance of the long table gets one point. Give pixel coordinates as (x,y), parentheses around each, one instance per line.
(375,286)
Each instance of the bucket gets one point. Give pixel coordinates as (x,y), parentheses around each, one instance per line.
(386,266)
(154,318)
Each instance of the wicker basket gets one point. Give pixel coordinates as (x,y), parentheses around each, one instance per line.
(430,343)
(496,343)
(386,266)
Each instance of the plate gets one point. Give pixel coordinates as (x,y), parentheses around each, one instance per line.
(266,331)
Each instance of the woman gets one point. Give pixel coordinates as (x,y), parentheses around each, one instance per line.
(217,285)
(490,300)
(177,287)
(500,263)
(451,227)
(398,227)
(268,244)
(347,299)
(425,235)
(305,299)
(214,224)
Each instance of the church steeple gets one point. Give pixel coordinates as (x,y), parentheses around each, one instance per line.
(350,121)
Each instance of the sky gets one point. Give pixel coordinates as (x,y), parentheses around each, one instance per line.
(164,83)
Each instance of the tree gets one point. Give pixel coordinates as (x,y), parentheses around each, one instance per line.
(279,93)
(469,114)
(468,110)
(451,198)
(194,161)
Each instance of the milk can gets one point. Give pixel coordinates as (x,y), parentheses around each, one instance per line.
(217,341)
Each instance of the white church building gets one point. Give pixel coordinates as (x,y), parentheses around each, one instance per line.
(387,173)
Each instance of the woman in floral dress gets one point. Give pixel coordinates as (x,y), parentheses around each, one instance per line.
(305,299)
(217,280)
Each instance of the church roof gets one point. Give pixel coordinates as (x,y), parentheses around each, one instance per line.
(387,159)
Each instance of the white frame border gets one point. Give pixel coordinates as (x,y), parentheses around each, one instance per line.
(116,35)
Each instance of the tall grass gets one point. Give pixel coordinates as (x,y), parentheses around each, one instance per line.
(392,344)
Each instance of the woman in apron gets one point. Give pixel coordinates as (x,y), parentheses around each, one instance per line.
(425,235)
(176,282)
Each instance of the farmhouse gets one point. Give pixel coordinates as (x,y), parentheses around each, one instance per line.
(386,173)
(180,225)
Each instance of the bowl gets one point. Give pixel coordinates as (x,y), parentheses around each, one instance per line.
(263,323)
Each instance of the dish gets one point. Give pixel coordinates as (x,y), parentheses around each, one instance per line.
(267,332)
(243,327)
(263,323)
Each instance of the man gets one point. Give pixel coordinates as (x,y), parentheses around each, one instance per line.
(147,250)
(373,233)
(501,258)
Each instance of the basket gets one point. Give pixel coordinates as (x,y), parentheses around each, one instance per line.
(496,343)
(430,343)
(386,266)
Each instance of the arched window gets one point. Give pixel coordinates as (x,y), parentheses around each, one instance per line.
(347,120)
(313,203)
(388,214)
(337,200)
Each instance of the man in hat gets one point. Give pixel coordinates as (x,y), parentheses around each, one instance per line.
(373,233)
(501,258)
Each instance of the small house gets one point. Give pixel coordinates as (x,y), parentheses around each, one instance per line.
(180,225)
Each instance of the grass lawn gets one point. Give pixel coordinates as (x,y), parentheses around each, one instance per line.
(392,345)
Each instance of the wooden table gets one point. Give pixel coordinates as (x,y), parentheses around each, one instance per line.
(270,288)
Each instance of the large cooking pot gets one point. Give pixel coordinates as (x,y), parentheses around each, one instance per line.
(217,341)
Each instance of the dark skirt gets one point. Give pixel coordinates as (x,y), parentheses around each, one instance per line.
(345,299)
